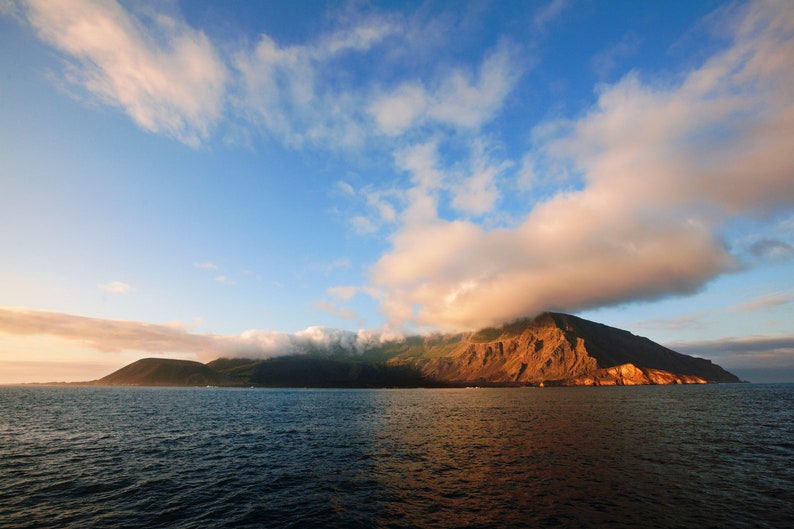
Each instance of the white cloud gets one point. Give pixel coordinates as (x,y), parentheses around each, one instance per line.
(476,192)
(170,79)
(345,188)
(345,293)
(468,102)
(549,13)
(289,91)
(224,280)
(394,113)
(165,75)
(662,167)
(421,161)
(363,225)
(117,287)
(459,99)
(205,266)
(386,211)
(469,186)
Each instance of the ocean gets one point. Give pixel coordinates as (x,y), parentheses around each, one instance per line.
(652,456)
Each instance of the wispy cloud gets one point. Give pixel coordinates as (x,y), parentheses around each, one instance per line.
(749,351)
(687,321)
(607,60)
(772,249)
(757,358)
(767,301)
(205,266)
(549,13)
(293,94)
(336,310)
(101,334)
(116,287)
(164,74)
(341,263)
(459,99)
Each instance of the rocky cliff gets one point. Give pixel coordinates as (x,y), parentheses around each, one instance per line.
(557,349)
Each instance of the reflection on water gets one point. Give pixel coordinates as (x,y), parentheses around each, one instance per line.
(693,456)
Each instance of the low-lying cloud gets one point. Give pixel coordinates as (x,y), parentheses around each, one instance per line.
(113,336)
(754,358)
(749,346)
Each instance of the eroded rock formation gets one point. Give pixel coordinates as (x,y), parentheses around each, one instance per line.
(558,349)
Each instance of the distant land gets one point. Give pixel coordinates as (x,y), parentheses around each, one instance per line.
(549,350)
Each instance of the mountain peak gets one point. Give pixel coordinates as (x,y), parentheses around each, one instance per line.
(558,348)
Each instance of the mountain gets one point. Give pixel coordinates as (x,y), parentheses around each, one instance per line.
(556,349)
(551,349)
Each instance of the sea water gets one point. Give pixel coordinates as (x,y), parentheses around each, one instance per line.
(654,456)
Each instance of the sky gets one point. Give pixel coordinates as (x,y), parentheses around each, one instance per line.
(201,179)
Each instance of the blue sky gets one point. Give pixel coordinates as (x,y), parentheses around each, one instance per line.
(203,179)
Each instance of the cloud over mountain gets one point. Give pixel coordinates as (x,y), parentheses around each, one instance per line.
(656,170)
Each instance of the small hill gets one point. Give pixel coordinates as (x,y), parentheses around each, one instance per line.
(164,372)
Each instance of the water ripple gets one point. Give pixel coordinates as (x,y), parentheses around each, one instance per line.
(700,456)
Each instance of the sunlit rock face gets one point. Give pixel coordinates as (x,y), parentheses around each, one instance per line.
(630,375)
(558,349)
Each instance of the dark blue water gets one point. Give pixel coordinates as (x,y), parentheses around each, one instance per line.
(667,456)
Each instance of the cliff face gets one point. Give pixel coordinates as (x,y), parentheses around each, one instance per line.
(629,375)
(537,354)
(559,349)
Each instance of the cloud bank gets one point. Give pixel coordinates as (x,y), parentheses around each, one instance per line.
(113,336)
(755,358)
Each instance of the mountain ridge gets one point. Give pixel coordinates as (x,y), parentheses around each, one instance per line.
(551,349)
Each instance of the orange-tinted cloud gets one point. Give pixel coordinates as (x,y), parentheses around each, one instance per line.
(114,336)
(660,170)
